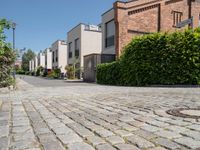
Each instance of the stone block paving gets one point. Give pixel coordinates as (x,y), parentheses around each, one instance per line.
(98,118)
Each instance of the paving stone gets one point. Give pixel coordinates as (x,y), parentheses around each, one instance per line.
(176,129)
(123,133)
(70,138)
(157,123)
(115,140)
(166,143)
(104,133)
(188,142)
(145,134)
(80,146)
(139,141)
(81,130)
(157,148)
(25,144)
(178,122)
(21,123)
(168,134)
(62,130)
(193,134)
(42,131)
(21,129)
(3,143)
(137,123)
(194,127)
(27,135)
(45,138)
(150,128)
(105,147)
(95,140)
(53,145)
(126,147)
(4,130)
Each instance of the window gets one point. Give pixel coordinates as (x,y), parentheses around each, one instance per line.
(77,47)
(110,34)
(177,17)
(56,55)
(70,50)
(53,57)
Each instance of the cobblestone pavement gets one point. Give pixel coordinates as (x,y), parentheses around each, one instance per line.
(97,117)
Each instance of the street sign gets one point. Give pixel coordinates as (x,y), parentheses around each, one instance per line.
(185,22)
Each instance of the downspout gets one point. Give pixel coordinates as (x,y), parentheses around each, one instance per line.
(190,11)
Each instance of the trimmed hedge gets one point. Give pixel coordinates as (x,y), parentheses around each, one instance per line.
(160,58)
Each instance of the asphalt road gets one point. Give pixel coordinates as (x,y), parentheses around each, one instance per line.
(44,82)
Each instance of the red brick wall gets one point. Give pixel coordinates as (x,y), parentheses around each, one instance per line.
(138,17)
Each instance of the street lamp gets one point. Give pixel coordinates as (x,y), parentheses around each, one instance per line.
(13,27)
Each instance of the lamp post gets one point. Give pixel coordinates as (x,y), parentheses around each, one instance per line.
(13,27)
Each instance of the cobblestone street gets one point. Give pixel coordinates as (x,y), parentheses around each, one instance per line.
(82,116)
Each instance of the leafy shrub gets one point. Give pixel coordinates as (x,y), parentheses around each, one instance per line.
(20,71)
(160,58)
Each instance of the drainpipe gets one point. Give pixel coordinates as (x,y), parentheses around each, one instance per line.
(190,12)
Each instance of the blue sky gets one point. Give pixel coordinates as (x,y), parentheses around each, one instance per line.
(41,22)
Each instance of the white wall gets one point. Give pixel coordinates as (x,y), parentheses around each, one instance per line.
(62,56)
(36,62)
(61,46)
(30,65)
(48,59)
(89,42)
(106,17)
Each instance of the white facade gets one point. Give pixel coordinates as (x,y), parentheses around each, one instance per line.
(30,65)
(48,59)
(59,55)
(83,40)
(108,30)
(41,59)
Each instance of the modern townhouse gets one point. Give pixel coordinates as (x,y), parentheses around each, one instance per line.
(48,59)
(137,17)
(41,59)
(59,55)
(83,40)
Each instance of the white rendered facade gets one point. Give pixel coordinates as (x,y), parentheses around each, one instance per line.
(59,55)
(48,59)
(83,40)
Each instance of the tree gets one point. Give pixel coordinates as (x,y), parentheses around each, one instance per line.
(27,56)
(7,56)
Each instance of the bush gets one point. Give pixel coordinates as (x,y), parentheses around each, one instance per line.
(160,58)
(20,71)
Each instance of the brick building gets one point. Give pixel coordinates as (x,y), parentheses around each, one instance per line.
(136,17)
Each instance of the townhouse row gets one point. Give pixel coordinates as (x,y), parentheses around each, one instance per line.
(88,45)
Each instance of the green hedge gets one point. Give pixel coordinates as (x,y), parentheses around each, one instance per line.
(160,58)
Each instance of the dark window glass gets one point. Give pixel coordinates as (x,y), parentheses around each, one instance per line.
(177,17)
(110,34)
(70,50)
(77,48)
(53,56)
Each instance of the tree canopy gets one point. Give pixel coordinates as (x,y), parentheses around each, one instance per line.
(27,56)
(7,55)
